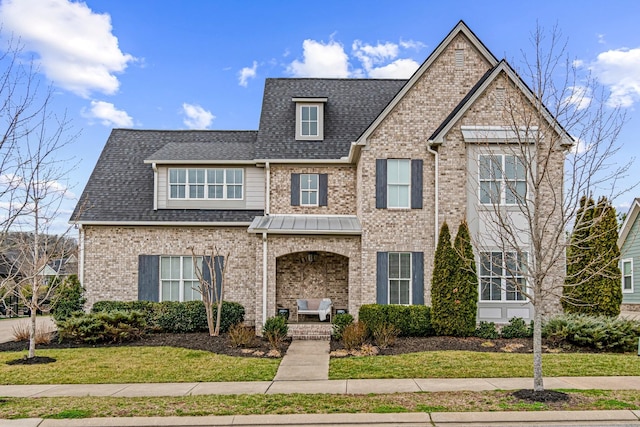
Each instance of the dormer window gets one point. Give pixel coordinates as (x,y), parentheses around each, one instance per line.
(310,118)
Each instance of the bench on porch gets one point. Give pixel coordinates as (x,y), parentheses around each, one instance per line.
(314,306)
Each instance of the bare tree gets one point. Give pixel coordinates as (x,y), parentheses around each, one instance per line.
(210,271)
(558,143)
(33,180)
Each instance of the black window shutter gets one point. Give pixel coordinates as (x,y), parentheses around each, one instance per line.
(382,278)
(148,278)
(381,183)
(323,191)
(295,189)
(218,265)
(417,278)
(416,184)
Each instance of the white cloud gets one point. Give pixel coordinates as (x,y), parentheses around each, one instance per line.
(196,116)
(580,146)
(580,97)
(370,55)
(76,47)
(247,73)
(619,70)
(321,60)
(400,69)
(108,114)
(412,44)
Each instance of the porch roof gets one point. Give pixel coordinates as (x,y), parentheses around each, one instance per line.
(306,224)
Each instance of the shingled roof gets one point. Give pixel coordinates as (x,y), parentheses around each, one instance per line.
(352,105)
(120,188)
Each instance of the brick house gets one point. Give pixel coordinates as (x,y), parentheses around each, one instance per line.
(340,193)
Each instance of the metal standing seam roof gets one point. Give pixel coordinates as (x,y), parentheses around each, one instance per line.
(306,224)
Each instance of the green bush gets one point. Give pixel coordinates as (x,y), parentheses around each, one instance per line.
(340,321)
(112,326)
(410,320)
(176,317)
(487,330)
(275,330)
(68,299)
(598,332)
(517,328)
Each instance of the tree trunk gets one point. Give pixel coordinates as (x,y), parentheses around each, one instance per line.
(537,350)
(32,328)
(218,317)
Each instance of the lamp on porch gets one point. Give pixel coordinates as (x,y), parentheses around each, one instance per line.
(312,256)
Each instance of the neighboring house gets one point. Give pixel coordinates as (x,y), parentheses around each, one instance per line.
(629,244)
(339,194)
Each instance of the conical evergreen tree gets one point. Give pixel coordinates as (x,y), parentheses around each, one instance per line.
(592,285)
(466,284)
(454,286)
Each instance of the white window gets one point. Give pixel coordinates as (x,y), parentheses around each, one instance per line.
(310,118)
(400,278)
(178,278)
(502,276)
(398,183)
(627,275)
(309,189)
(216,184)
(502,179)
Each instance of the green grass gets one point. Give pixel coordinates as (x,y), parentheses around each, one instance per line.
(461,401)
(469,364)
(134,365)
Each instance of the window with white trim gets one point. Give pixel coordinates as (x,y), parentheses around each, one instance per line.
(178,278)
(309,189)
(309,125)
(502,276)
(310,118)
(627,275)
(502,179)
(400,278)
(209,183)
(398,183)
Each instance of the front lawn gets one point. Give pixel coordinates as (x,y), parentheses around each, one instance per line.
(470,364)
(134,364)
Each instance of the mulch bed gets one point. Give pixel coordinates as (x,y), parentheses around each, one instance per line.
(260,347)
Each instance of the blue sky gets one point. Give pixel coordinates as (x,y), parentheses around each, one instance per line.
(157,64)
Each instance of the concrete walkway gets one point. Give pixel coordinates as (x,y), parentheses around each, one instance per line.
(305,360)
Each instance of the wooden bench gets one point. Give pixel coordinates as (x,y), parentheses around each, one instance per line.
(314,306)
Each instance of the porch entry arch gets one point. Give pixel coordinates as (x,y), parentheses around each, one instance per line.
(312,274)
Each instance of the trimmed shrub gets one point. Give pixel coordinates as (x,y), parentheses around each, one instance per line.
(340,321)
(112,326)
(275,330)
(176,317)
(410,320)
(599,332)
(68,299)
(517,328)
(487,330)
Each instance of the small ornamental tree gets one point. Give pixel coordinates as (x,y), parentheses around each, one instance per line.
(442,297)
(592,284)
(465,281)
(67,299)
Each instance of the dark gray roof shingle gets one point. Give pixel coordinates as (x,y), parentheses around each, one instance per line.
(352,105)
(121,185)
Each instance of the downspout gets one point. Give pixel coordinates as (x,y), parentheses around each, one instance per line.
(267,201)
(264,278)
(155,186)
(81,255)
(435,155)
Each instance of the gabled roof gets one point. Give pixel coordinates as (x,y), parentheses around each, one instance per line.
(120,188)
(352,104)
(632,215)
(479,88)
(460,28)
